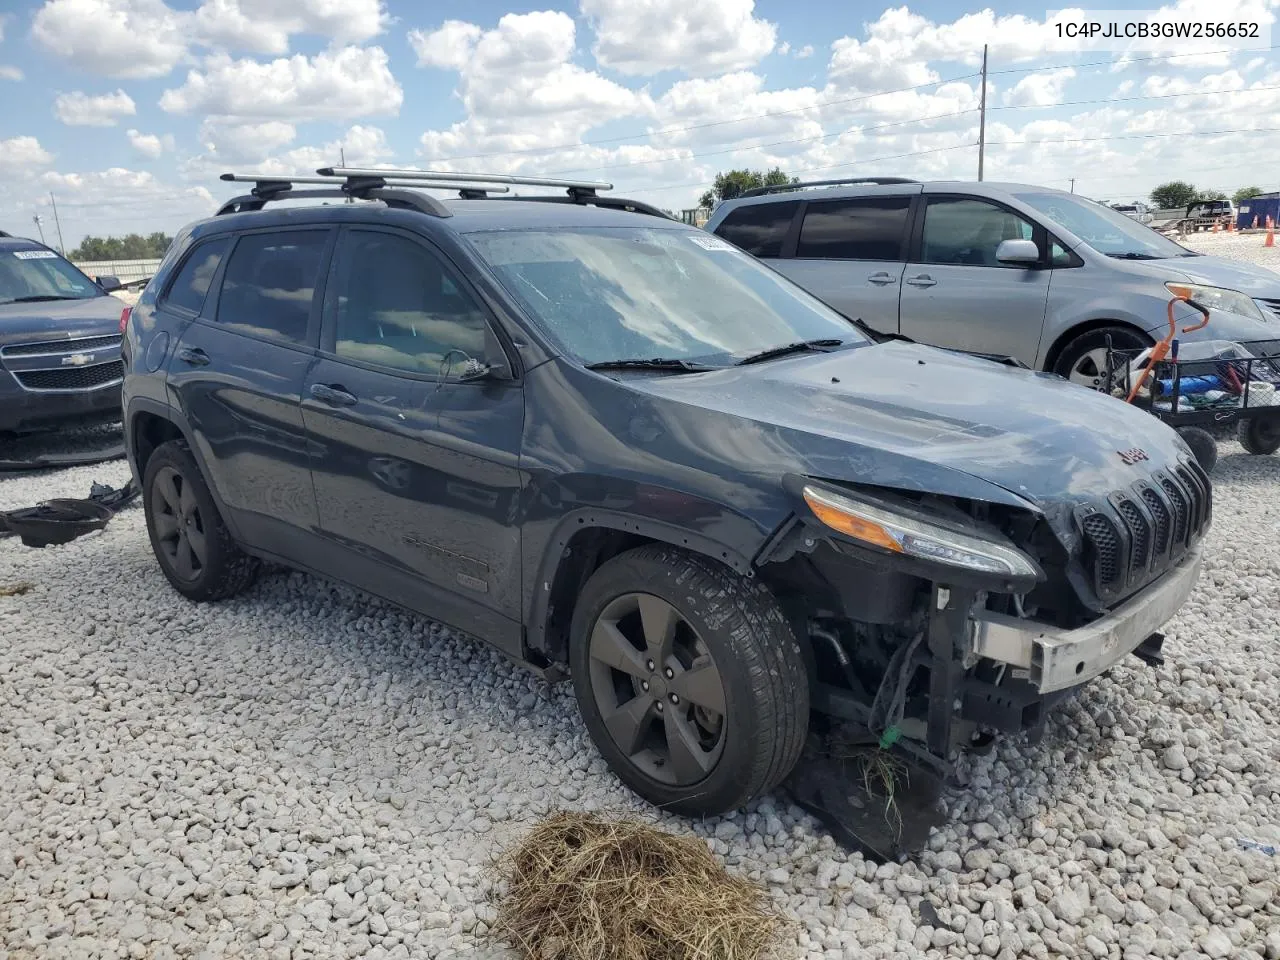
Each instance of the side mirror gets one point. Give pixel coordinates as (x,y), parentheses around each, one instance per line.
(108,284)
(496,368)
(1021,252)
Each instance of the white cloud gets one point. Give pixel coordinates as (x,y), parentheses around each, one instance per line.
(77,109)
(448,47)
(231,142)
(805,52)
(783,49)
(149,144)
(23,154)
(10,73)
(1039,89)
(335,84)
(518,86)
(265,27)
(117,38)
(702,38)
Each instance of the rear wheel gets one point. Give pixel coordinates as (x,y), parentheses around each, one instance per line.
(192,544)
(1259,435)
(690,681)
(1084,359)
(1202,444)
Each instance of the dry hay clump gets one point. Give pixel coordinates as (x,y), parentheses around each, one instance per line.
(584,887)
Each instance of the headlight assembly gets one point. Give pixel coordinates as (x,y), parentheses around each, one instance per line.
(898,533)
(1217,298)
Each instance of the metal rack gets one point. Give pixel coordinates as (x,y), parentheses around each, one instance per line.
(784,187)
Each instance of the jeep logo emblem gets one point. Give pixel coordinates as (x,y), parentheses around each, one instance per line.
(1136,455)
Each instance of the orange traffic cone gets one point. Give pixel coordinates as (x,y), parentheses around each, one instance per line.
(1255,221)
(1231,226)
(1271,234)
(1215,226)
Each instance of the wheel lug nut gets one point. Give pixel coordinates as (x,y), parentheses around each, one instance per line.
(669,672)
(674,698)
(644,685)
(650,666)
(659,705)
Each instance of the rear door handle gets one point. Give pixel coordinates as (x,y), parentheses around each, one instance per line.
(923,280)
(882,278)
(194,356)
(333,394)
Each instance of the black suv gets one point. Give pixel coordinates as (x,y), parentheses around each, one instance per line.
(617,448)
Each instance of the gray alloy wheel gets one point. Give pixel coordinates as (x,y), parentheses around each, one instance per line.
(658,689)
(179,524)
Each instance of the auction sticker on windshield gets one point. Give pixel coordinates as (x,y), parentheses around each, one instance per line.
(35,255)
(713,243)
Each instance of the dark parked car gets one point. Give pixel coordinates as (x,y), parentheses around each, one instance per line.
(618,448)
(59,340)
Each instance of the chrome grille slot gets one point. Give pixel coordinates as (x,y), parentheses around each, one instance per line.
(55,348)
(73,378)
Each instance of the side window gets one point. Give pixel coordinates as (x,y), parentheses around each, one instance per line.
(866,228)
(1060,256)
(270,282)
(759,228)
(191,283)
(398,307)
(967,232)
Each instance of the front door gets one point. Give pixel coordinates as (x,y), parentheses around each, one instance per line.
(416,468)
(850,255)
(238,371)
(955,293)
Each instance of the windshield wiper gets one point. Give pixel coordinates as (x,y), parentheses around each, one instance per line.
(656,363)
(800,346)
(40,298)
(1133,256)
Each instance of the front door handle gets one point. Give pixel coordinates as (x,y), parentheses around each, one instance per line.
(333,394)
(923,280)
(882,278)
(194,356)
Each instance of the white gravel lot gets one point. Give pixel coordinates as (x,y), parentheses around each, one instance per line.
(305,772)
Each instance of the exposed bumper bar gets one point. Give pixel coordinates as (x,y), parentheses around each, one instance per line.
(1057,659)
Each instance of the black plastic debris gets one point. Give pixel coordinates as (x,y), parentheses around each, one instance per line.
(57,461)
(876,803)
(63,520)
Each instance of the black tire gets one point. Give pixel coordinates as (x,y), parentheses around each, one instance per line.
(1202,444)
(1259,435)
(216,568)
(726,626)
(1083,359)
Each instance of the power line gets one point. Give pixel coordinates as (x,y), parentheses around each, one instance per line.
(1153,96)
(772,143)
(1126,136)
(1125,62)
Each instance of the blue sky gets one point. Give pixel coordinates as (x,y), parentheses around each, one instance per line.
(128,109)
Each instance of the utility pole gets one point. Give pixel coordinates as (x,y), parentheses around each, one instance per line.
(982,114)
(1073,184)
(61,247)
(36,220)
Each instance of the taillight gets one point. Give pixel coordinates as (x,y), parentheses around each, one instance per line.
(124,318)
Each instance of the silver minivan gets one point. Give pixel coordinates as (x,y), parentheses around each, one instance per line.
(1029,272)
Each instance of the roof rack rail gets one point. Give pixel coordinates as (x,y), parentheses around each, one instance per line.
(575,188)
(784,187)
(266,183)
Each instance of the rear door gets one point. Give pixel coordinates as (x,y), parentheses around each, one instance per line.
(416,470)
(955,293)
(850,253)
(237,374)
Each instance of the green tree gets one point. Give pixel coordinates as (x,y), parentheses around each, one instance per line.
(1245,193)
(1211,195)
(1175,193)
(734,183)
(134,246)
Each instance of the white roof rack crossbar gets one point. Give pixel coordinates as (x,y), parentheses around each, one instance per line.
(455,178)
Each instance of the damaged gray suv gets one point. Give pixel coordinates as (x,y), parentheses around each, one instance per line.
(624,452)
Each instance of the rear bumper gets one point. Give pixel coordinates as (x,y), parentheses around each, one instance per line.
(24,410)
(1058,659)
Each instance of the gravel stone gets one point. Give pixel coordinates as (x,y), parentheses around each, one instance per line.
(305,772)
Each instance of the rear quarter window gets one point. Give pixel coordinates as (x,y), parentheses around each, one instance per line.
(759,228)
(862,228)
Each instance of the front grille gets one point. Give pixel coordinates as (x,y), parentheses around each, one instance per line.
(77,378)
(59,346)
(1138,534)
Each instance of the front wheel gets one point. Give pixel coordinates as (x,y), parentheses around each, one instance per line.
(1259,435)
(1084,359)
(689,679)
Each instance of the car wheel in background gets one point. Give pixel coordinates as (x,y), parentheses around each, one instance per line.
(1084,359)
(192,544)
(1259,435)
(1202,444)
(689,679)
